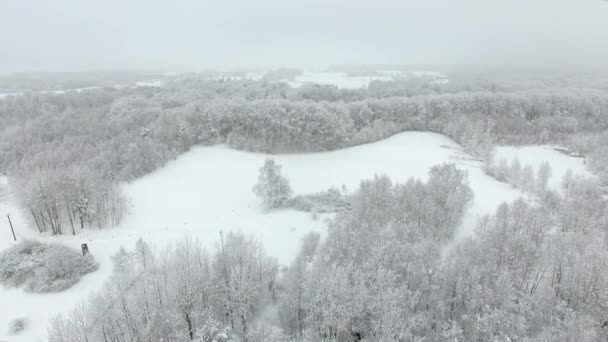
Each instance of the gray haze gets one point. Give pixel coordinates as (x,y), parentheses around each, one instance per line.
(68,35)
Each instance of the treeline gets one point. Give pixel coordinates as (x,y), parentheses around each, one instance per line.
(524,177)
(57,147)
(534,271)
(60,199)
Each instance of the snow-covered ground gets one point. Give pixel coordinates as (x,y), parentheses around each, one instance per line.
(208,190)
(339,79)
(148,83)
(343,80)
(536,155)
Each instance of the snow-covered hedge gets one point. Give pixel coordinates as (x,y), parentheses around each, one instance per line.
(43,267)
(329,201)
(17,325)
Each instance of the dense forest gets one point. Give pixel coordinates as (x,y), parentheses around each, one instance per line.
(67,152)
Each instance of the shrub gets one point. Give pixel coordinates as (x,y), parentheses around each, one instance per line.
(328,201)
(43,267)
(17,325)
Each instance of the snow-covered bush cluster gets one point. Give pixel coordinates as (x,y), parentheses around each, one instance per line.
(41,267)
(17,325)
(329,201)
(274,191)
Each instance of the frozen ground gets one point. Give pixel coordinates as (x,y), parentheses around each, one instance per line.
(339,79)
(343,80)
(208,190)
(149,83)
(535,155)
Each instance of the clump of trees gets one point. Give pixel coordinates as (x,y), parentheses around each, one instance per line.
(376,268)
(597,159)
(517,278)
(69,200)
(41,267)
(274,191)
(524,177)
(182,293)
(329,201)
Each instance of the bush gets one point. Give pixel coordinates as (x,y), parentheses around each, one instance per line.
(43,267)
(328,201)
(17,325)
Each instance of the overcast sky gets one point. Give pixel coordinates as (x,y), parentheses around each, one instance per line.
(69,35)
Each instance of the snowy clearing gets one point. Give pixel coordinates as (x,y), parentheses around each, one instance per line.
(339,79)
(148,83)
(208,190)
(343,80)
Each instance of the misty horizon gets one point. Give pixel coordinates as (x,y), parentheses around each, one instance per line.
(69,36)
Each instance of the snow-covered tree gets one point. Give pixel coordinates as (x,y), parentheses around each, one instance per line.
(272,188)
(542,177)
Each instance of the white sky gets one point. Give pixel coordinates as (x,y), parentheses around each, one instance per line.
(67,35)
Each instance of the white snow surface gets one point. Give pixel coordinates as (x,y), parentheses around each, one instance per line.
(208,190)
(148,83)
(343,80)
(338,79)
(534,155)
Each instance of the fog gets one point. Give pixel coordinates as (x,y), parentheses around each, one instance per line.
(69,35)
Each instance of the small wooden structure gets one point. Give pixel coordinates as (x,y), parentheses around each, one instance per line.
(85,249)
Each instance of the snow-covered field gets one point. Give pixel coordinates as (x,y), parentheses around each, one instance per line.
(343,80)
(208,190)
(149,83)
(536,155)
(339,79)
